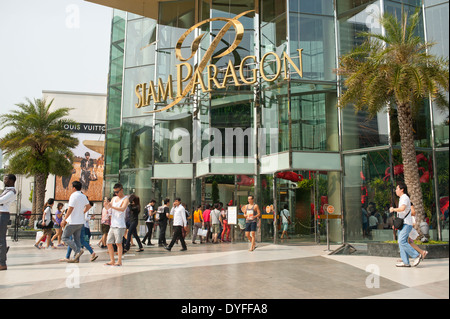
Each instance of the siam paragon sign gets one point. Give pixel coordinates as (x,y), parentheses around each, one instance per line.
(146,92)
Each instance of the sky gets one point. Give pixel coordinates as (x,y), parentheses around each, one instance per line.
(52,45)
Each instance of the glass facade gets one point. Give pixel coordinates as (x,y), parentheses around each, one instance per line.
(267,108)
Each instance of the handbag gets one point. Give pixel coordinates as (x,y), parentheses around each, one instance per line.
(398,222)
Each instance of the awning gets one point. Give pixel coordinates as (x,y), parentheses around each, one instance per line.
(146,8)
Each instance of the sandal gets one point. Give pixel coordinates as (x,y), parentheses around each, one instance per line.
(139,250)
(94,257)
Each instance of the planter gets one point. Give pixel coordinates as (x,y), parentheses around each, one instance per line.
(392,250)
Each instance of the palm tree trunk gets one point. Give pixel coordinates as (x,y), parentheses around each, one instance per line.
(410,166)
(39,189)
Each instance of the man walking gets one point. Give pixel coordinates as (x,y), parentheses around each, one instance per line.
(6,198)
(179,221)
(74,220)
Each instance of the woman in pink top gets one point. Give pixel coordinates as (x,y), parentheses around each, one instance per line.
(207,220)
(106,221)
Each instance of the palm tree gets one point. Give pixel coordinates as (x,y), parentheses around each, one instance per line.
(37,144)
(396,69)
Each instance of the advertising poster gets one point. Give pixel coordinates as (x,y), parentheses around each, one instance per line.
(88,163)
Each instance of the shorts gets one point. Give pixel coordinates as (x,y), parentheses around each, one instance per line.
(215,228)
(105,229)
(250,226)
(285,226)
(47,231)
(115,235)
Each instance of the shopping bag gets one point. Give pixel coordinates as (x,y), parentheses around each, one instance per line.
(39,234)
(202,232)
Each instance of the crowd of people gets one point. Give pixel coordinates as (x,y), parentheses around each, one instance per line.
(209,224)
(120,221)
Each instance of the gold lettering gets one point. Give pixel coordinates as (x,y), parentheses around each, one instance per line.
(278,67)
(180,79)
(138,94)
(144,94)
(198,79)
(151,92)
(230,69)
(298,70)
(212,77)
(168,92)
(254,71)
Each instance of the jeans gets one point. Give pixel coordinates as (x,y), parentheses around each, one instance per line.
(177,234)
(84,232)
(406,249)
(73,242)
(132,231)
(162,233)
(4,220)
(148,236)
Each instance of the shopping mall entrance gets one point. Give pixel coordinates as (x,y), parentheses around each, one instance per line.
(314,205)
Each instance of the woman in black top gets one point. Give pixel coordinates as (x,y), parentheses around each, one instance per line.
(135,208)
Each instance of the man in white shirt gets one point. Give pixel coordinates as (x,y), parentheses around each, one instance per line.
(74,220)
(6,198)
(179,221)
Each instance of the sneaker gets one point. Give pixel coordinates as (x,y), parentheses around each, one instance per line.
(417,260)
(402,265)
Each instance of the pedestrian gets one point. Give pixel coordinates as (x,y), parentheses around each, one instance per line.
(135,208)
(73,221)
(285,220)
(251,213)
(188,217)
(404,211)
(149,213)
(119,205)
(413,235)
(57,225)
(6,198)
(179,221)
(86,231)
(163,217)
(105,221)
(225,226)
(47,223)
(198,224)
(207,220)
(215,223)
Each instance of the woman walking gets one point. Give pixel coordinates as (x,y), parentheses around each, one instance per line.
(404,212)
(135,208)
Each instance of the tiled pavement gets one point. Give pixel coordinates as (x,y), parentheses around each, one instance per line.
(220,271)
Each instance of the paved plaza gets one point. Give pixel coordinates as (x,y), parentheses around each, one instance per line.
(219,271)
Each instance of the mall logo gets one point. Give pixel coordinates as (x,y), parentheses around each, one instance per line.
(146,92)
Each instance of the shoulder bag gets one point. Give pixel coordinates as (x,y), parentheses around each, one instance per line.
(398,222)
